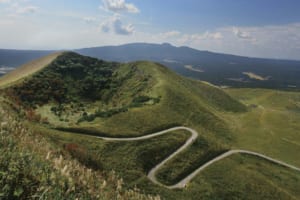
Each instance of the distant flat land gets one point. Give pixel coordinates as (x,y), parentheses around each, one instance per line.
(190,67)
(255,76)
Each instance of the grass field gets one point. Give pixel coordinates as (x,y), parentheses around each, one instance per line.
(266,122)
(259,129)
(245,177)
(272,124)
(236,177)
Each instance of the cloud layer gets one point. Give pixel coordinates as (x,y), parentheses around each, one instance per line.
(19,7)
(4,1)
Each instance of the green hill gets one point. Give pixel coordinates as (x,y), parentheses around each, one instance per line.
(76,96)
(85,93)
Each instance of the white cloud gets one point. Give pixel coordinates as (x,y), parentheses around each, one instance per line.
(105,27)
(120,6)
(89,19)
(19,7)
(4,1)
(115,24)
(170,34)
(26,9)
(196,38)
(121,29)
(242,34)
(216,36)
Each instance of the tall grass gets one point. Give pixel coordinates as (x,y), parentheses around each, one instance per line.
(31,168)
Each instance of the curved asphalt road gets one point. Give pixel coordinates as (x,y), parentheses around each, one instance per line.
(192,138)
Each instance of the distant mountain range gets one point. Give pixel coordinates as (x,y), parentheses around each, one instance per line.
(219,69)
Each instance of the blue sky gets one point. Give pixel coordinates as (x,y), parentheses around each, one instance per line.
(260,28)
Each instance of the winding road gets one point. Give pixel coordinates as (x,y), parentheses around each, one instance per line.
(194,134)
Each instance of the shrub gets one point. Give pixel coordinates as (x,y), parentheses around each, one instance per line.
(32,116)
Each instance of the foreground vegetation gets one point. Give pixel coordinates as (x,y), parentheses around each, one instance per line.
(245,177)
(31,167)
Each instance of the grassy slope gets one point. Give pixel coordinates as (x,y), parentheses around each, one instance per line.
(33,167)
(27,69)
(246,177)
(250,174)
(237,177)
(186,102)
(271,126)
(182,102)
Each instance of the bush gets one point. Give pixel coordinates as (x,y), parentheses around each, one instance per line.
(141,99)
(32,116)
(83,156)
(102,114)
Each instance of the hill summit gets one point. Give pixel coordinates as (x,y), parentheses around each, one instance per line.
(75,91)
